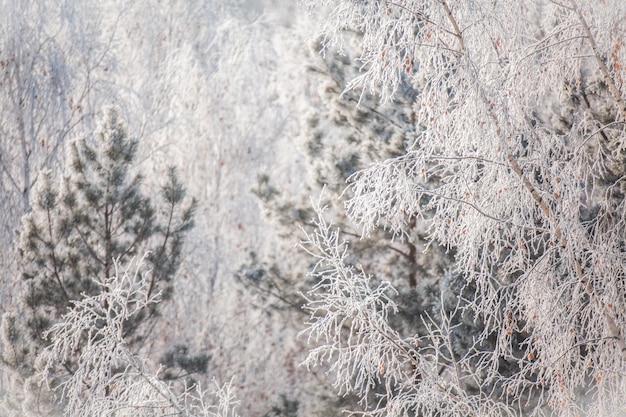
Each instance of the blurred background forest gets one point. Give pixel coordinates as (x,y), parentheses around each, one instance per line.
(217,89)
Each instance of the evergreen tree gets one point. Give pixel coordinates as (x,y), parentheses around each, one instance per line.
(345,133)
(99,215)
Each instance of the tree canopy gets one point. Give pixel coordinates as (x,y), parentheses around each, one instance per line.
(521,116)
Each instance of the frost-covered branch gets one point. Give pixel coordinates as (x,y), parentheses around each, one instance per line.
(392,375)
(110,380)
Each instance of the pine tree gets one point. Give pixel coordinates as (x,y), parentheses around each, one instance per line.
(345,132)
(99,215)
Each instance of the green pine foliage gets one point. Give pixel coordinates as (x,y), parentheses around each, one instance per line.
(345,133)
(97,216)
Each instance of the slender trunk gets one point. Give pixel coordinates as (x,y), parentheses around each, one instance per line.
(107,240)
(26,153)
(412,258)
(608,315)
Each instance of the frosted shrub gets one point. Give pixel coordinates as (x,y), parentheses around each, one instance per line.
(110,380)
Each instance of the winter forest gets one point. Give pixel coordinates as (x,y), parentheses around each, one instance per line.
(277,208)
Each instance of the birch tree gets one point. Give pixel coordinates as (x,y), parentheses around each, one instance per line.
(521,114)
